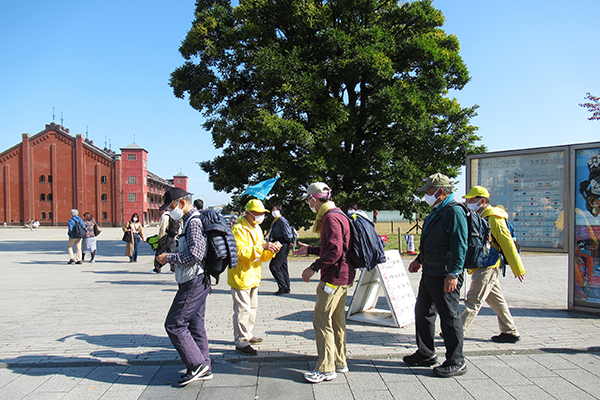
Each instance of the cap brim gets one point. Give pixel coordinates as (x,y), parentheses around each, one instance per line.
(163,207)
(423,189)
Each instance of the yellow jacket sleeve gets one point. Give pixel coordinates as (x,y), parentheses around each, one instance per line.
(501,234)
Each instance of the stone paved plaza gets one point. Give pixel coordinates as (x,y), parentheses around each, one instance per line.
(95,331)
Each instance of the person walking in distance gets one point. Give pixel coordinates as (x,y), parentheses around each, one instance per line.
(281,232)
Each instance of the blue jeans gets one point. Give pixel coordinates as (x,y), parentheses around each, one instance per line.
(135,246)
(185,322)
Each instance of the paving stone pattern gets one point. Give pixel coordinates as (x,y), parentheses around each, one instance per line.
(95,331)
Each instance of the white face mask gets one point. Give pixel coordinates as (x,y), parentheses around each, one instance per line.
(474,206)
(176,213)
(313,208)
(135,219)
(258,219)
(430,199)
(276,214)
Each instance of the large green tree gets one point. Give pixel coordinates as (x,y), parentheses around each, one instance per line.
(350,92)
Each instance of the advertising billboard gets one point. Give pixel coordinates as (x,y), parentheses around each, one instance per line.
(531,185)
(585,254)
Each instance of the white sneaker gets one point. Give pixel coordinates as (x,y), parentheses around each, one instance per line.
(93,261)
(318,376)
(342,370)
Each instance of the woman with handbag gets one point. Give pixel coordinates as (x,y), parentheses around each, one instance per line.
(136,233)
(89,241)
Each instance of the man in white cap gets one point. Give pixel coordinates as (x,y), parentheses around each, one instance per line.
(442,254)
(485,285)
(245,278)
(337,275)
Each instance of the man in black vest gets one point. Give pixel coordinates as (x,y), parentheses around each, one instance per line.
(442,254)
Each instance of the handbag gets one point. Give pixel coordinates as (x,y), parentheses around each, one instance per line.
(127,237)
(97,230)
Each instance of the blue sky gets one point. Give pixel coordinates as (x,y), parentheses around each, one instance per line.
(106,65)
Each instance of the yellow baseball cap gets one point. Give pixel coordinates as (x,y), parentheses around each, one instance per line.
(256,206)
(477,191)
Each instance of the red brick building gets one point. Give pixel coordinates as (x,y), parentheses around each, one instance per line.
(52,172)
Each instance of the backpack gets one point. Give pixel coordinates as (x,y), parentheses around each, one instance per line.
(495,253)
(78,230)
(478,231)
(221,250)
(366,247)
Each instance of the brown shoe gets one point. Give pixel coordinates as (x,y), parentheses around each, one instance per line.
(255,340)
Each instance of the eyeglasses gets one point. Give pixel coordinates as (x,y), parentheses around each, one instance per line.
(173,205)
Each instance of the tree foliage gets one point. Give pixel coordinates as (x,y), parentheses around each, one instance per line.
(593,106)
(350,92)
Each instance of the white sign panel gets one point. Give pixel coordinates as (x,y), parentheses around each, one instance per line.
(393,279)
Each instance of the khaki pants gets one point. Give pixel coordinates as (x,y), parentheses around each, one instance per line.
(485,286)
(245,303)
(329,322)
(77,243)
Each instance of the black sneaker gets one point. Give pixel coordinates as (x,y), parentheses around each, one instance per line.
(71,261)
(247,351)
(418,359)
(195,374)
(506,338)
(446,371)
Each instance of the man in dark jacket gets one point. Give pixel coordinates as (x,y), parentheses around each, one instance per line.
(281,232)
(442,254)
(337,275)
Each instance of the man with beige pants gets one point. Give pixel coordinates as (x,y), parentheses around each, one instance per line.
(485,284)
(76,228)
(337,275)
(245,278)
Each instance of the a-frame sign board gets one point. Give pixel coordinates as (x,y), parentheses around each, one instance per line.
(393,279)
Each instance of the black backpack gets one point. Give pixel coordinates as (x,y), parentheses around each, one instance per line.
(478,238)
(78,230)
(366,248)
(221,250)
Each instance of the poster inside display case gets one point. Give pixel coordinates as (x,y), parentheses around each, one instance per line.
(531,186)
(586,280)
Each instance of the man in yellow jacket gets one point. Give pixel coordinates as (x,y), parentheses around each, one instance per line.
(244,279)
(485,285)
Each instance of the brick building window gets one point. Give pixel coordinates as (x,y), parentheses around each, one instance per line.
(43,215)
(50,215)
(179,181)
(103,179)
(104,215)
(42,178)
(43,197)
(104,197)
(131,180)
(132,197)
(49,178)
(132,157)
(49,197)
